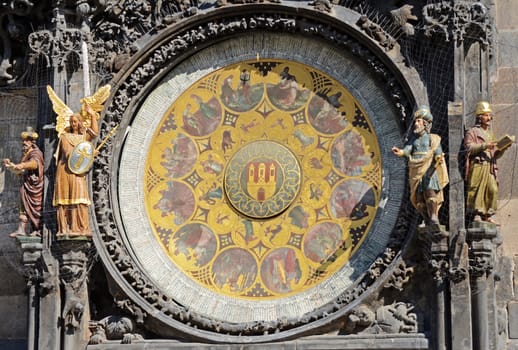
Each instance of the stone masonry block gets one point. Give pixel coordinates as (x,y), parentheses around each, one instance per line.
(513,319)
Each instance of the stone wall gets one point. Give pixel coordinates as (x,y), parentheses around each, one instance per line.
(504,92)
(504,95)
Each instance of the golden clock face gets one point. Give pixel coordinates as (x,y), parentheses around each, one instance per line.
(262,179)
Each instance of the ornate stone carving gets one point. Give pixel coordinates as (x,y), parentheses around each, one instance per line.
(388,319)
(114,328)
(456,20)
(376,32)
(359,320)
(439,268)
(220,3)
(31,259)
(400,276)
(56,47)
(73,274)
(381,263)
(482,246)
(458,271)
(401,16)
(322,5)
(434,242)
(480,264)
(128,306)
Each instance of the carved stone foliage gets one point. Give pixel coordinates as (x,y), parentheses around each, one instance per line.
(458,21)
(130,308)
(388,319)
(439,268)
(153,64)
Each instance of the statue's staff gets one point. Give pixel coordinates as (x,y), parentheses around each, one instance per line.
(86,68)
(110,134)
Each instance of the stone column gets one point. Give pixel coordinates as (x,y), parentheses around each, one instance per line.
(49,303)
(481,264)
(434,242)
(75,315)
(459,288)
(31,255)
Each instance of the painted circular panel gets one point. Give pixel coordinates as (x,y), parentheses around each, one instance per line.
(262,179)
(352,199)
(234,270)
(326,241)
(282,270)
(193,245)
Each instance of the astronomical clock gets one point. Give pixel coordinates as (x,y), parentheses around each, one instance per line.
(252,187)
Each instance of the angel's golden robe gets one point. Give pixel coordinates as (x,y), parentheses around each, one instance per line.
(70,191)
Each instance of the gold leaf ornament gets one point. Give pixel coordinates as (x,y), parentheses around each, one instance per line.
(96,102)
(63,112)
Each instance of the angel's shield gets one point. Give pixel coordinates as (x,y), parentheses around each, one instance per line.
(81,158)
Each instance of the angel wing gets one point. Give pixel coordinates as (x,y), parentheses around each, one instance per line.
(96,101)
(63,112)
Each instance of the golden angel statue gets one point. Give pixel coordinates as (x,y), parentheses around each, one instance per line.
(74,157)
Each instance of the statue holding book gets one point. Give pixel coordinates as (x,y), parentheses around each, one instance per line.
(483,150)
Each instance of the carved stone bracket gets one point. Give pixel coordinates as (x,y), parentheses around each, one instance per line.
(459,257)
(434,242)
(482,246)
(31,260)
(459,20)
(73,257)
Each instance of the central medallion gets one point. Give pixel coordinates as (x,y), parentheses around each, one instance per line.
(262,179)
